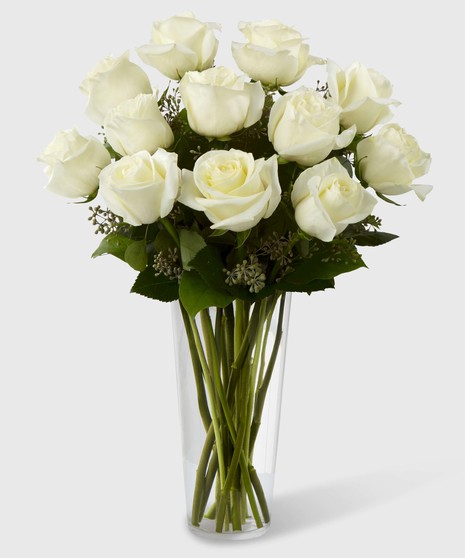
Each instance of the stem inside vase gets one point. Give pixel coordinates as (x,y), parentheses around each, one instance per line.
(234,354)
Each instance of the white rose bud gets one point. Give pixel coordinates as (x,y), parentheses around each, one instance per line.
(73,164)
(112,81)
(137,125)
(274,54)
(304,127)
(234,190)
(180,44)
(363,93)
(142,187)
(220,103)
(326,200)
(391,160)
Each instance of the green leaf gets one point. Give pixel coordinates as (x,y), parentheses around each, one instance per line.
(158,287)
(88,198)
(217,232)
(388,200)
(311,287)
(191,244)
(164,241)
(136,255)
(209,265)
(310,269)
(373,238)
(114,244)
(346,164)
(197,295)
(357,139)
(113,154)
(280,222)
(163,96)
(242,237)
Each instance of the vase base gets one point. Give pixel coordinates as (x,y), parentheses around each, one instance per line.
(207,529)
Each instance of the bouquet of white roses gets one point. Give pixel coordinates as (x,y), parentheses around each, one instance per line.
(228,191)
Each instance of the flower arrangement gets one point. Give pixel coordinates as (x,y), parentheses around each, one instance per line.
(226,192)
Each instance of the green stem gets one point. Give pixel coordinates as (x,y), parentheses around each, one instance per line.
(209,478)
(236,505)
(263,387)
(215,369)
(200,479)
(211,512)
(269,319)
(214,413)
(234,462)
(238,327)
(229,339)
(219,331)
(224,497)
(257,353)
(171,230)
(197,368)
(219,390)
(246,346)
(260,494)
(232,381)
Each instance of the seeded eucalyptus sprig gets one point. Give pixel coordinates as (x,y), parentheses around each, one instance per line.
(104,220)
(167,263)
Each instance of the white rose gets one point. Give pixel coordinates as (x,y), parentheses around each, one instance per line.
(274,54)
(219,103)
(234,190)
(326,200)
(141,188)
(363,93)
(137,125)
(304,127)
(180,44)
(112,81)
(74,164)
(391,160)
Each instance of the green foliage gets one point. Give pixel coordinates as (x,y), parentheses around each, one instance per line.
(367,233)
(310,287)
(136,255)
(88,198)
(195,294)
(158,287)
(191,243)
(113,154)
(373,238)
(181,256)
(209,265)
(133,252)
(388,200)
(163,241)
(114,244)
(307,270)
(242,237)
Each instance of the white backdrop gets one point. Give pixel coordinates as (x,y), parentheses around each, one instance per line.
(371,460)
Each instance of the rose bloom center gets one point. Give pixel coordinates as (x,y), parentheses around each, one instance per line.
(135,173)
(225,176)
(311,107)
(340,196)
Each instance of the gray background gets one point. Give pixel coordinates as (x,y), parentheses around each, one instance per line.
(371,460)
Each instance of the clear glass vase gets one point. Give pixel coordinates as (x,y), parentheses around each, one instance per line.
(230,364)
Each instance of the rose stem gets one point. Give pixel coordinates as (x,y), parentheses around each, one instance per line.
(199,383)
(211,392)
(208,330)
(170,229)
(200,480)
(262,389)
